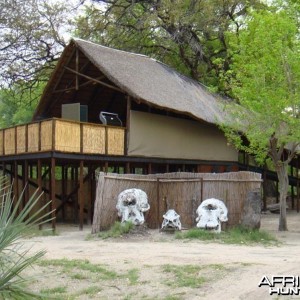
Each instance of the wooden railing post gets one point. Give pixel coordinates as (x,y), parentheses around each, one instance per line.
(106,140)
(53,134)
(40,136)
(81,138)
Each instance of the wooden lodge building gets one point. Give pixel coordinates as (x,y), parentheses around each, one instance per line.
(110,110)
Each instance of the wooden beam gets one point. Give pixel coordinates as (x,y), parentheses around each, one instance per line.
(79,86)
(40,181)
(128,108)
(95,80)
(16,183)
(81,196)
(77,69)
(63,71)
(52,193)
(92,195)
(25,183)
(64,177)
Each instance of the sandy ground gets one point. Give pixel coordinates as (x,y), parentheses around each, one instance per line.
(244,266)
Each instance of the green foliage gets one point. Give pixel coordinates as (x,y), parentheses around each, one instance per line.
(15,222)
(266,84)
(17,106)
(237,235)
(117,230)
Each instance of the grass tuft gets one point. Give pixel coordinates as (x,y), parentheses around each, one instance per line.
(237,235)
(68,265)
(117,230)
(185,276)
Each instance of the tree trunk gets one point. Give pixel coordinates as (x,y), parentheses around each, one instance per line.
(282,172)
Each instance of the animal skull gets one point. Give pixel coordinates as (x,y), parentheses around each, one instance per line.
(211,212)
(132,203)
(171,220)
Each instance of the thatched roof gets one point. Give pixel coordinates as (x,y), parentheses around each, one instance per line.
(149,81)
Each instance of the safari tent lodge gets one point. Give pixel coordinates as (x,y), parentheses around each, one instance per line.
(108,110)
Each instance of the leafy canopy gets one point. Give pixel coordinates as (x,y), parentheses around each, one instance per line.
(267,84)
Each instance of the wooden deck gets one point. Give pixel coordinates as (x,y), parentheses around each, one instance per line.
(62,136)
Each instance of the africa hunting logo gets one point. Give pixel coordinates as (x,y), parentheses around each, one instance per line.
(281,285)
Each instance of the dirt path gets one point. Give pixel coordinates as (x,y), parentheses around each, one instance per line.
(244,266)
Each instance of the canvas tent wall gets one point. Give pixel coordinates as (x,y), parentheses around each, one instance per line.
(168,137)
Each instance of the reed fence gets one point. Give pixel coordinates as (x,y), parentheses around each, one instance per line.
(180,191)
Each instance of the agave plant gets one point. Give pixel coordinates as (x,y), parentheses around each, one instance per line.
(15,223)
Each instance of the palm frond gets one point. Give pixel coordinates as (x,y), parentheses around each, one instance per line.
(15,223)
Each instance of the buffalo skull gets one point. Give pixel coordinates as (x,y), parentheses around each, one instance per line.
(171,220)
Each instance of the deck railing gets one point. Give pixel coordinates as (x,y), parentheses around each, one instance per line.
(63,136)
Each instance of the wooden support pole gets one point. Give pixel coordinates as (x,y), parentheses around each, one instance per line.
(149,168)
(106,167)
(81,196)
(157,203)
(297,175)
(264,189)
(39,181)
(91,198)
(52,193)
(128,108)
(292,189)
(25,183)
(63,190)
(15,186)
(77,70)
(127,168)
(76,203)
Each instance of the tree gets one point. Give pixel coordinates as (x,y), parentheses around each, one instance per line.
(33,34)
(267,89)
(16,109)
(188,35)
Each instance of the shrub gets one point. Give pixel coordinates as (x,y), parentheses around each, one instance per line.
(15,223)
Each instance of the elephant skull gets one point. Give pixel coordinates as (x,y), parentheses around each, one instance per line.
(210,213)
(131,205)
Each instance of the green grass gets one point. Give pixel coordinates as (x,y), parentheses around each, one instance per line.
(133,276)
(185,276)
(237,235)
(90,291)
(117,230)
(56,293)
(172,298)
(79,276)
(81,270)
(55,290)
(68,266)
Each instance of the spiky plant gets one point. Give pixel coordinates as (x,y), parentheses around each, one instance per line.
(15,223)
